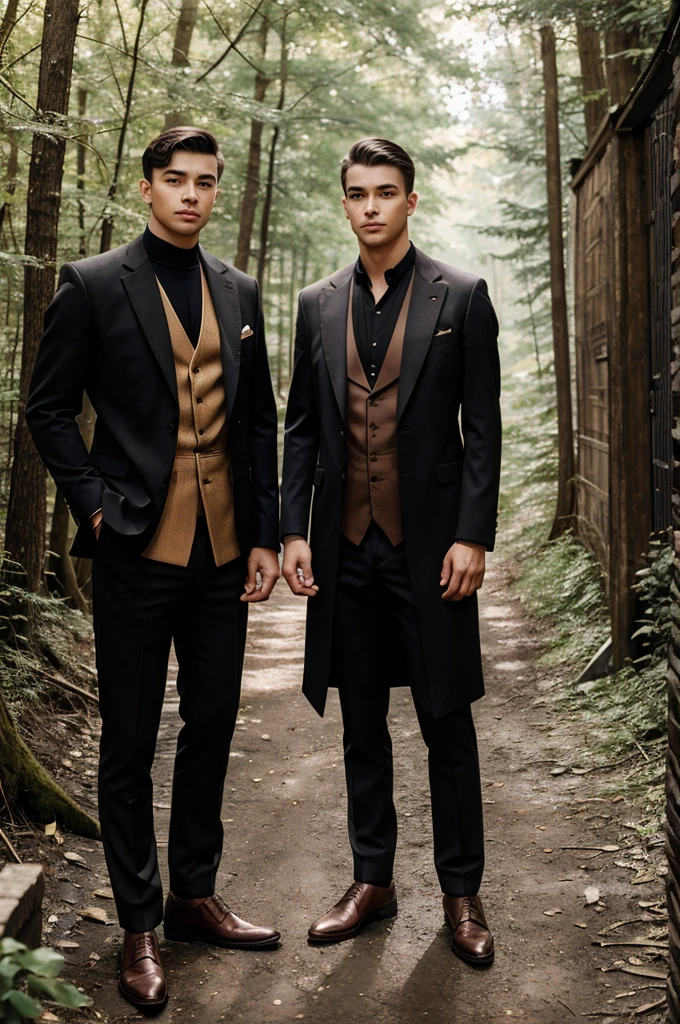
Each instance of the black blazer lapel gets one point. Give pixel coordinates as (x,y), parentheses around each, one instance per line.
(142,290)
(429,292)
(225,297)
(333,302)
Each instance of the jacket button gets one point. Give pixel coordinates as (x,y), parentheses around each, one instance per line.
(342,433)
(342,476)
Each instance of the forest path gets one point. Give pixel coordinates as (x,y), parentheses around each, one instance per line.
(287,860)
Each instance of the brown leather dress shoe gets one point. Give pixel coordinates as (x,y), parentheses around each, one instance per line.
(361,904)
(142,978)
(472,939)
(210,920)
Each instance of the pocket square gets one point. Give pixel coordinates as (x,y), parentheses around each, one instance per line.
(438,334)
(246,331)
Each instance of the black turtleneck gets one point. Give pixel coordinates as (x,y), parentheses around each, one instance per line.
(179,271)
(374,322)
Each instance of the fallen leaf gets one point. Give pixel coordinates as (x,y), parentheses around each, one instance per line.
(643,876)
(497,785)
(67,762)
(265,736)
(542,828)
(105,894)
(645,972)
(67,944)
(548,849)
(51,828)
(580,924)
(617,799)
(646,1007)
(635,961)
(74,858)
(52,919)
(49,1016)
(551,913)
(276,1002)
(257,780)
(94,956)
(557,771)
(272,771)
(592,894)
(94,914)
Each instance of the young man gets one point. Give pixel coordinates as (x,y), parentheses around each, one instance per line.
(388,352)
(177,502)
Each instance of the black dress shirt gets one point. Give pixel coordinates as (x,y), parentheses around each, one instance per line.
(374,322)
(179,271)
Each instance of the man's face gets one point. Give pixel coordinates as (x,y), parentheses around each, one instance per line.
(181,195)
(377,204)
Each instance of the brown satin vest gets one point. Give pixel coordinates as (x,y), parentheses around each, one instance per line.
(201,480)
(372,474)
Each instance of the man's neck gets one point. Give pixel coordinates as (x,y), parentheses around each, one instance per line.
(173,237)
(377,259)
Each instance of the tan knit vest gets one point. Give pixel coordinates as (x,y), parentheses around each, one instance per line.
(372,475)
(201,480)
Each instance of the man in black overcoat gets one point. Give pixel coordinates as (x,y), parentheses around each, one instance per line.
(393,440)
(177,502)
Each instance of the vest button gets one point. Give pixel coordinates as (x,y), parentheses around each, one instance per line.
(207,480)
(201,432)
(374,479)
(196,369)
(199,401)
(374,457)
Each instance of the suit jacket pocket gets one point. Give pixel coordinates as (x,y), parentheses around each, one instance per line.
(449,472)
(318,476)
(111,465)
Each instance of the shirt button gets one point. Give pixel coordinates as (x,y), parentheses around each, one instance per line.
(378,312)
(374,344)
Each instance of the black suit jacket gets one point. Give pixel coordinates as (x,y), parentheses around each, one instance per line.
(448,482)
(106,333)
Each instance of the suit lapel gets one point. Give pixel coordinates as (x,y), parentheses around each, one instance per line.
(224,294)
(333,303)
(429,292)
(142,290)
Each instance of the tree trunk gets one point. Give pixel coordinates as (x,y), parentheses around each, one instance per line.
(622,71)
(107,222)
(252,186)
(558,290)
(80,168)
(10,186)
(8,22)
(271,168)
(26,783)
(593,81)
(186,24)
(60,562)
(25,529)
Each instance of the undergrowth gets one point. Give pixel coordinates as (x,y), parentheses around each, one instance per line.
(561,583)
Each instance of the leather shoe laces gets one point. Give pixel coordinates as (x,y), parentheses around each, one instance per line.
(145,948)
(471,913)
(353,891)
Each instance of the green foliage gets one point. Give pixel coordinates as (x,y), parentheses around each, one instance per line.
(26,973)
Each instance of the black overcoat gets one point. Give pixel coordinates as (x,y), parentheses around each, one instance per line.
(449,453)
(106,333)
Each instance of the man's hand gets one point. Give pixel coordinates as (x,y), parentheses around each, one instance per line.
(297,567)
(462,570)
(264,561)
(97,520)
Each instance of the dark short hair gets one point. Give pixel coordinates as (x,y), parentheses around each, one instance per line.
(371,152)
(192,140)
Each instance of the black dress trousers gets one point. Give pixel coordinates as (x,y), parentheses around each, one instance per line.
(375,610)
(141,606)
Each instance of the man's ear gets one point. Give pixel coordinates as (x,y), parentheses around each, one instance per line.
(145,190)
(411,203)
(344,206)
(216,196)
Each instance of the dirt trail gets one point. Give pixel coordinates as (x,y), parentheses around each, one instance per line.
(286,860)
